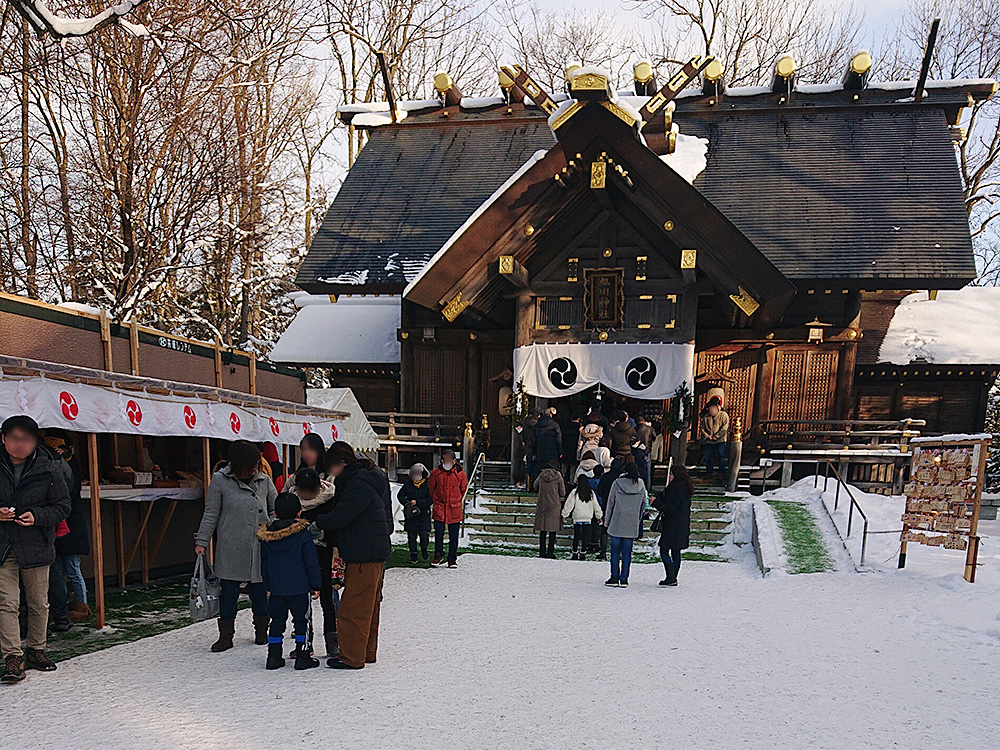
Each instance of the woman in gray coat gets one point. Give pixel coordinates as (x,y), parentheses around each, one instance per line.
(623,518)
(240,497)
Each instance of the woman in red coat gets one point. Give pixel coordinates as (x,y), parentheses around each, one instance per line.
(447,485)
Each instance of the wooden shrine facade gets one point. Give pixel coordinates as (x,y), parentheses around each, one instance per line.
(524,223)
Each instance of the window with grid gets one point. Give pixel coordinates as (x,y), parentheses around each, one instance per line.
(559,312)
(651,311)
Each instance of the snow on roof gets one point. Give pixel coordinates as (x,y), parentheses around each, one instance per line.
(958,328)
(352,330)
(535,157)
(689,158)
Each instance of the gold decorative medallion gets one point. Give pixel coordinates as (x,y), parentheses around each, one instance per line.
(689,258)
(744,301)
(598,174)
(454,308)
(589,82)
(506,264)
(657,101)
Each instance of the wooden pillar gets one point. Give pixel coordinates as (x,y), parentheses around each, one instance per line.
(106,341)
(972,554)
(133,345)
(96,531)
(843,403)
(522,337)
(218,362)
(253,373)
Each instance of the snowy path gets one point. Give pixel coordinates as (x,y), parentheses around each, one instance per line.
(524,653)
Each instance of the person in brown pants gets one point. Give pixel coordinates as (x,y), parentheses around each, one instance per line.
(33,500)
(361,522)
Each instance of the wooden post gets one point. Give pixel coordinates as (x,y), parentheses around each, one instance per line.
(972,555)
(119,545)
(206,463)
(735,455)
(522,337)
(253,374)
(106,340)
(133,344)
(284,460)
(96,532)
(218,362)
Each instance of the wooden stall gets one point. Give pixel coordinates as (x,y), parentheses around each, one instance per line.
(97,405)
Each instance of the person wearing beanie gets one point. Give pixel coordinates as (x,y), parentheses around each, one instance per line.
(415,498)
(290,569)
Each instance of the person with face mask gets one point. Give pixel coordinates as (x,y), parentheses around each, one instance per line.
(447,485)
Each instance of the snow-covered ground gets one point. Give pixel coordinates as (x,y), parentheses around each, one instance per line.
(524,653)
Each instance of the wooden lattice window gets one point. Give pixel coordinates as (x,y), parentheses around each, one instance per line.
(560,313)
(651,311)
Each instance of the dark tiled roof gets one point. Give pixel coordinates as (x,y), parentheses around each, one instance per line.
(863,194)
(409,189)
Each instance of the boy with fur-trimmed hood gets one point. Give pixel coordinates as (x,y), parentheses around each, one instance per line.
(290,569)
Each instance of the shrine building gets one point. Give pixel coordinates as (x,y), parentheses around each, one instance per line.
(625,245)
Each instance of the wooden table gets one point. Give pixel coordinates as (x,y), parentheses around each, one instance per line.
(148,496)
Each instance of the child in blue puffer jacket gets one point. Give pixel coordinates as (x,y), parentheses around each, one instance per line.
(290,569)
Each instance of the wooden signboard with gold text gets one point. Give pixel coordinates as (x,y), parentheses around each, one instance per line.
(943,496)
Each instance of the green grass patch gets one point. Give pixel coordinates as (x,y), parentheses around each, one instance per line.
(804,544)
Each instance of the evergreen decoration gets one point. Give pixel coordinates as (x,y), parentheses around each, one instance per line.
(991,481)
(681,405)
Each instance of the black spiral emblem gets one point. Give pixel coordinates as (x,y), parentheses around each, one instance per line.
(562,373)
(640,373)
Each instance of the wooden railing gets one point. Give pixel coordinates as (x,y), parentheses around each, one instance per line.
(800,433)
(409,432)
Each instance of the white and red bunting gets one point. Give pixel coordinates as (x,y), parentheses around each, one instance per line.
(89,408)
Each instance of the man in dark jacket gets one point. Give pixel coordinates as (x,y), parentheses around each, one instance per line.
(362,520)
(548,439)
(415,498)
(570,429)
(33,500)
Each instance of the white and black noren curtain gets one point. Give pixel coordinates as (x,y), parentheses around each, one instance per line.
(647,371)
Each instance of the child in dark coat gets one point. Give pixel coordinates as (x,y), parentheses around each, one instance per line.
(290,569)
(415,497)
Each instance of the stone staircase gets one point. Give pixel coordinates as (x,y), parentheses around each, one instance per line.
(505,517)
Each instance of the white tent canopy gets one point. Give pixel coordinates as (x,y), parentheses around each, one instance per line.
(356,429)
(97,401)
(359,330)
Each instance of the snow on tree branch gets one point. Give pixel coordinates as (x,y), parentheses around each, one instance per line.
(45,21)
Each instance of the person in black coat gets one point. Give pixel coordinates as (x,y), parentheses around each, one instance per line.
(34,498)
(362,519)
(548,439)
(290,569)
(415,499)
(570,429)
(674,504)
(74,543)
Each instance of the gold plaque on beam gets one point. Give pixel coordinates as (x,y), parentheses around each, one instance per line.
(598,175)
(570,111)
(744,301)
(657,101)
(454,308)
(620,113)
(689,258)
(506,264)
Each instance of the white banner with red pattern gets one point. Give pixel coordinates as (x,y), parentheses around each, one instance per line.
(89,408)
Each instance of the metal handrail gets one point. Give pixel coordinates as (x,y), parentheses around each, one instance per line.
(477,470)
(836,503)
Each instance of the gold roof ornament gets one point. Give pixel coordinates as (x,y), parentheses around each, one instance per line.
(442,82)
(861,62)
(643,71)
(454,308)
(713,71)
(785,66)
(744,301)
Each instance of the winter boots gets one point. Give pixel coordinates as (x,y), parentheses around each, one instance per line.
(274,658)
(79,612)
(226,630)
(36,659)
(260,623)
(13,670)
(332,645)
(303,659)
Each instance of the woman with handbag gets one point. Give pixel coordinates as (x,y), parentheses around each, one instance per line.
(240,497)
(415,498)
(674,504)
